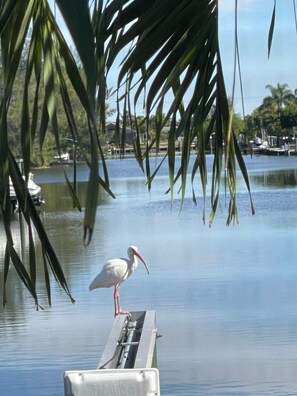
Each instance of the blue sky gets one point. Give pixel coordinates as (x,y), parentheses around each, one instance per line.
(254,18)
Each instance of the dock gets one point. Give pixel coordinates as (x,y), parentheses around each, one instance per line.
(128,364)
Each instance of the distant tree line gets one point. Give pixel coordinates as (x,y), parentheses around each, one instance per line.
(277,116)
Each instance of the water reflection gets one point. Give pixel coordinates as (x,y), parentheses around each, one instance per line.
(276,179)
(57,196)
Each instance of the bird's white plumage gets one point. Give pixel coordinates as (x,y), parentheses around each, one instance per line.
(116,271)
(113,273)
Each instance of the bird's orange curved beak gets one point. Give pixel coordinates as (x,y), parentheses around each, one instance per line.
(142,259)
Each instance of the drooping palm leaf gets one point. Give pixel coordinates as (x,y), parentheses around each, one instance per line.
(271,28)
(14,33)
(177,52)
(29,211)
(171,54)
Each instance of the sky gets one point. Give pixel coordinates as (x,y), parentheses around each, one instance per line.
(254,18)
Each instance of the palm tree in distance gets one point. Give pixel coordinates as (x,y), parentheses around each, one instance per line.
(273,107)
(278,98)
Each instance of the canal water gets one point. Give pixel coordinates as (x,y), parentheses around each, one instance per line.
(225,297)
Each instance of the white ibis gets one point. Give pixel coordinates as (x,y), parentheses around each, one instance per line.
(116,271)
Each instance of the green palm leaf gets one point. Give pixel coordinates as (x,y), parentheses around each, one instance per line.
(171,53)
(271,28)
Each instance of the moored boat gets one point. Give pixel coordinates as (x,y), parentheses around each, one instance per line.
(34,191)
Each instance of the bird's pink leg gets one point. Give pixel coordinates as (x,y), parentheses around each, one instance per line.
(117,308)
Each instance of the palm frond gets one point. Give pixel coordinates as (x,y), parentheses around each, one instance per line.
(172,55)
(271,29)
(176,52)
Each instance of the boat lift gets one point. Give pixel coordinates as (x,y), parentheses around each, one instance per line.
(128,364)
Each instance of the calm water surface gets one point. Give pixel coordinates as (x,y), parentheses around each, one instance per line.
(225,297)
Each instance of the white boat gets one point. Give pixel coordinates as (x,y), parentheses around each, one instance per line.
(34,191)
(63,159)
